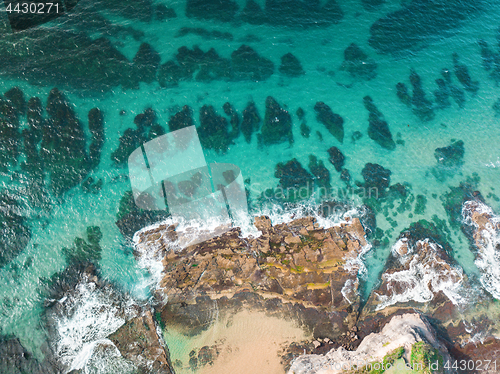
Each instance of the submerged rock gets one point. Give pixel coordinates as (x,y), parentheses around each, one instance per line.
(170,74)
(16,98)
(292,175)
(146,130)
(181,119)
(336,158)
(220,10)
(10,137)
(129,142)
(248,65)
(253,13)
(15,359)
(442,94)
(291,66)
(214,67)
(450,156)
(403,94)
(131,218)
(277,126)
(422,107)
(378,129)
(234,120)
(213,130)
(88,64)
(463,76)
(414,25)
(63,147)
(332,121)
(251,121)
(321,174)
(488,56)
(96,127)
(14,230)
(376,176)
(305,130)
(162,13)
(146,62)
(358,64)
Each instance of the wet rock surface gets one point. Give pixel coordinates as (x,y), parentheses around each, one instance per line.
(84,312)
(295,270)
(138,341)
(301,272)
(404,331)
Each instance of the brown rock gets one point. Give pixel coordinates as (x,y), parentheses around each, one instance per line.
(138,341)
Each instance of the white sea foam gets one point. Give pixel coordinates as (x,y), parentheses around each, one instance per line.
(83,320)
(424,278)
(488,255)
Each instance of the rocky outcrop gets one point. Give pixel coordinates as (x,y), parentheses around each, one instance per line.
(301,272)
(90,324)
(417,271)
(482,226)
(139,341)
(296,269)
(403,337)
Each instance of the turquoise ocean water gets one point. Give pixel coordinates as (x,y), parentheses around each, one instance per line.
(320,51)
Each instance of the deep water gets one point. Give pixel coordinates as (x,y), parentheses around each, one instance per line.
(432,47)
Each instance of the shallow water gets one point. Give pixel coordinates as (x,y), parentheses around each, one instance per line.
(320,51)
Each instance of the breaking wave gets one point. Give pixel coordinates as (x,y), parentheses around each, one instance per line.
(83,320)
(487,239)
(425,274)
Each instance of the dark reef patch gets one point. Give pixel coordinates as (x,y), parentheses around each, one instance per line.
(291,66)
(333,122)
(358,64)
(247,64)
(277,125)
(378,129)
(418,21)
(64,58)
(251,121)
(219,10)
